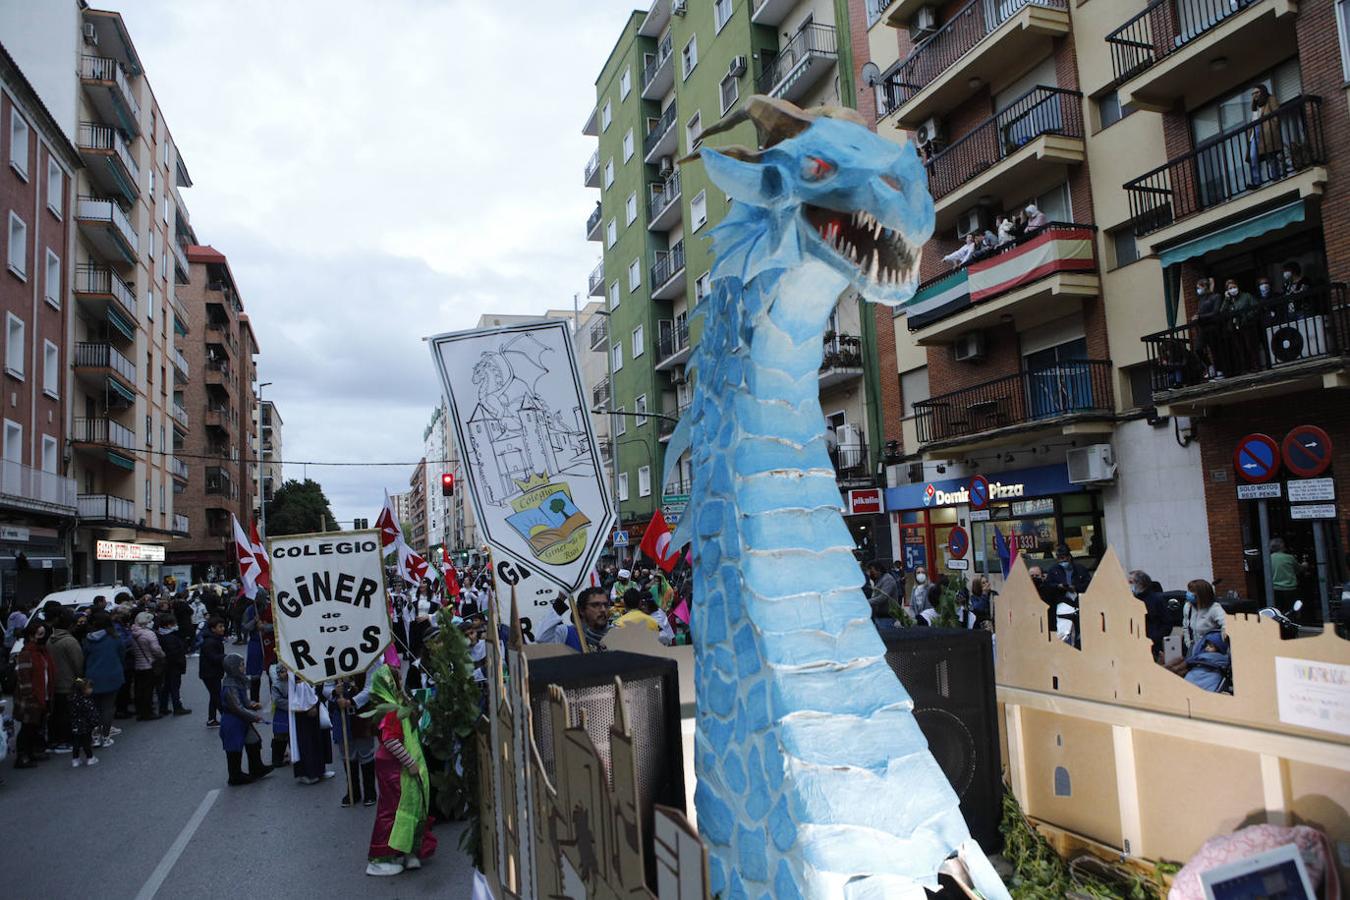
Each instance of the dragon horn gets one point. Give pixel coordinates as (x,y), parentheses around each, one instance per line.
(775,121)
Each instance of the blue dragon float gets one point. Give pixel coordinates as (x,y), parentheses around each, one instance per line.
(814,779)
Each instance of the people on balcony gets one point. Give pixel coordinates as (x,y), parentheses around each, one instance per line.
(1208,327)
(1242,312)
(963,254)
(1005,230)
(1036,220)
(1266,147)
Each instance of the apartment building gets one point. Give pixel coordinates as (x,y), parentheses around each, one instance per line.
(434,452)
(1065,365)
(417,508)
(676,69)
(215,414)
(268,453)
(590,339)
(37,498)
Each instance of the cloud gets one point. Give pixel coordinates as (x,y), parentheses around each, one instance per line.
(377,173)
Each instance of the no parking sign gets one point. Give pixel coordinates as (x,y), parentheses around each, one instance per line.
(958,542)
(1257,458)
(1307,451)
(979,492)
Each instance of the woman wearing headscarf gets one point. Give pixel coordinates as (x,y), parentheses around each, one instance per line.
(399,840)
(311,751)
(238,715)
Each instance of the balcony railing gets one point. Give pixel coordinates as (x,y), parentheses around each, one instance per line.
(1040,111)
(106,508)
(104,137)
(217,370)
(662,195)
(810,40)
(1228,165)
(178,468)
(95,209)
(592,167)
(842,351)
(104,356)
(180,415)
(874,10)
(667,265)
(596,282)
(663,54)
(1271,336)
(102,68)
(593,221)
(1064,389)
(96,279)
(674,341)
(179,250)
(1163,28)
(180,363)
(599,334)
(102,430)
(24,485)
(600,393)
(180,523)
(663,124)
(967,27)
(219,483)
(221,415)
(850,459)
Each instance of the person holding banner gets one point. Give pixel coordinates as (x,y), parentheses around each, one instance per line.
(399,839)
(353,738)
(238,715)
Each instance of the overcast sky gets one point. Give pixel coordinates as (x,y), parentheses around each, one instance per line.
(376,173)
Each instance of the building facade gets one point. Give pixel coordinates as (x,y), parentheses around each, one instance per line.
(268,453)
(437,464)
(417,509)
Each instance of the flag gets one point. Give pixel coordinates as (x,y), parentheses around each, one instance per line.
(1006,553)
(656,543)
(391,535)
(264,578)
(681,611)
(246,555)
(411,566)
(451,576)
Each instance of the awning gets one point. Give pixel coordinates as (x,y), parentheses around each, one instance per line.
(120,390)
(118,321)
(1247,229)
(118,459)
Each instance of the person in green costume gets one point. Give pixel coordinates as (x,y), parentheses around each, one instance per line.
(400,839)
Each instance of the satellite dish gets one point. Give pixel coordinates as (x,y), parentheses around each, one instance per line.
(871,74)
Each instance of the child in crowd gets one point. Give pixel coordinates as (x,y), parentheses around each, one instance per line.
(281,718)
(84,720)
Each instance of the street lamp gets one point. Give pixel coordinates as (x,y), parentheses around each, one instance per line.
(262,493)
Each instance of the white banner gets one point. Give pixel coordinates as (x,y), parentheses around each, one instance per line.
(328,603)
(531,463)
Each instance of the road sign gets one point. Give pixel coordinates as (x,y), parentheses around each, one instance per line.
(1257,458)
(620,539)
(958,565)
(979,515)
(1312,511)
(866,501)
(1311,490)
(1307,451)
(958,542)
(979,492)
(1268,491)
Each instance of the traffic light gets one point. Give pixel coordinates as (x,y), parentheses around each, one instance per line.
(448,484)
(360,524)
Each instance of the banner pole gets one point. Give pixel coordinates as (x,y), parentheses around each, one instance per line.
(346,747)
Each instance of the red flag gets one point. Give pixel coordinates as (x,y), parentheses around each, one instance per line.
(451,576)
(264,578)
(411,565)
(390,532)
(246,556)
(656,543)
(681,611)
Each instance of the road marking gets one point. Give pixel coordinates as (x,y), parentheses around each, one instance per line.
(152,884)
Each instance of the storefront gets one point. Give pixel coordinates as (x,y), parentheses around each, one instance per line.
(1033,509)
(864,514)
(32,563)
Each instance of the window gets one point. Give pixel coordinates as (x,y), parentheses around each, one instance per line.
(628,145)
(698,211)
(152,185)
(51,279)
(611,232)
(644,481)
(50,451)
(702,286)
(640,408)
(639,342)
(147,492)
(625,84)
(1123,245)
(18,143)
(14,345)
(613,295)
(620,421)
(150,302)
(1109,110)
(164,265)
(617,352)
(13,449)
(609,172)
(634,275)
(623,484)
(150,244)
(689,57)
(721,12)
(149,432)
(606,115)
(51,370)
(18,245)
(1343,27)
(693,131)
(164,206)
(56,187)
(731,91)
(630,209)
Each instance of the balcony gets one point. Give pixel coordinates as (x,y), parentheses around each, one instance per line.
(102,431)
(106,84)
(180,367)
(843,359)
(661,139)
(896,13)
(591,177)
(668,273)
(96,363)
(106,508)
(108,160)
(658,16)
(659,76)
(1293,343)
(219,483)
(1033,280)
(1218,179)
(599,334)
(852,464)
(220,332)
(663,204)
(181,270)
(222,416)
(600,394)
(665,427)
(24,487)
(1054,397)
(1023,150)
(180,525)
(180,416)
(771,12)
(180,316)
(106,226)
(799,64)
(178,469)
(982,41)
(99,288)
(1165,53)
(595,284)
(218,372)
(672,347)
(593,225)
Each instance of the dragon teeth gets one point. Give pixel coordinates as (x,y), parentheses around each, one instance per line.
(872,266)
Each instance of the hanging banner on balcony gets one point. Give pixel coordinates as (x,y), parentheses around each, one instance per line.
(523,428)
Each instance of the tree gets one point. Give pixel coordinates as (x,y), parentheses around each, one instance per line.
(299,507)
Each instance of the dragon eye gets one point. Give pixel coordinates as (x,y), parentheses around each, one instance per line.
(815,169)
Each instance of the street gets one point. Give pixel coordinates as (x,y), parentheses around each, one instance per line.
(155,819)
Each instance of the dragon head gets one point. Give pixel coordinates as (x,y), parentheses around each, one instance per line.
(820,185)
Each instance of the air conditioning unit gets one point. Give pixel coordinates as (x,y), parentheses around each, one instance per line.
(975,219)
(1091,464)
(1297,339)
(737,67)
(925,20)
(90,34)
(969,347)
(928,132)
(667,167)
(679,7)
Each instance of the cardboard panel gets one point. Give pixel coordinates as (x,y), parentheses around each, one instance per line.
(1067,753)
(1320,796)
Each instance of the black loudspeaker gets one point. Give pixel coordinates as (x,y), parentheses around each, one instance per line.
(651,688)
(949,673)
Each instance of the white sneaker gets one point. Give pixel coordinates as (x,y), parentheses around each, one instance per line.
(411,862)
(329,774)
(91,761)
(107,742)
(383,869)
(75,763)
(114,731)
(96,742)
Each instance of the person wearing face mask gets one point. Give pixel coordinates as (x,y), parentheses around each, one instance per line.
(1202,615)
(1241,308)
(1266,146)
(33,695)
(1066,573)
(1208,326)
(918,597)
(1149,592)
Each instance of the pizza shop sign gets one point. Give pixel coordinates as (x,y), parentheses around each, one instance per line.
(932,496)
